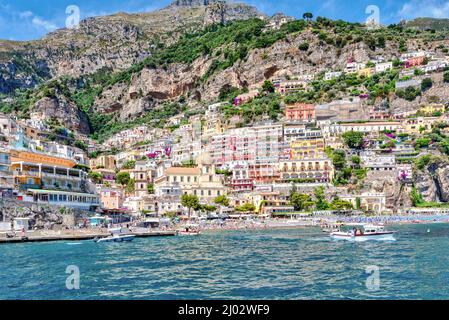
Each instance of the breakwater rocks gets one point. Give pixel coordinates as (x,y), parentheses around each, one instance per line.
(41,216)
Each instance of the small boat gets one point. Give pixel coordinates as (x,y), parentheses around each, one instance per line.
(368,232)
(189,233)
(190,230)
(117,238)
(117,235)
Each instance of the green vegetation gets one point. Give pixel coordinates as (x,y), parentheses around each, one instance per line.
(247,207)
(265,105)
(131,164)
(190,202)
(222,201)
(224,46)
(123,178)
(96,177)
(409,94)
(341,205)
(354,140)
(130,186)
(150,188)
(320,199)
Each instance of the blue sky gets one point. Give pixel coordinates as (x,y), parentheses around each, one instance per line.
(32,19)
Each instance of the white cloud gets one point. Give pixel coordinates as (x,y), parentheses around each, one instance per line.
(424,8)
(25,14)
(42,23)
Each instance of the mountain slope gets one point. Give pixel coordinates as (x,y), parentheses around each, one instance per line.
(118,75)
(113,42)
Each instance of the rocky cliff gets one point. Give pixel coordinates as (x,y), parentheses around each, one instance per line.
(134,63)
(114,42)
(433,181)
(41,217)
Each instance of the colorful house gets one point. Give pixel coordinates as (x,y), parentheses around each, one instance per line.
(300,112)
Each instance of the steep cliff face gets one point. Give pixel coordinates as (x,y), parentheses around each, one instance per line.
(283,58)
(114,42)
(433,182)
(41,217)
(65,111)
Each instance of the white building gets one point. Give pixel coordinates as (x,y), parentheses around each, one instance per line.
(332,75)
(382,67)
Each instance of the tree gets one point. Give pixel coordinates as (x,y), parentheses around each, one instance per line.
(341,205)
(131,164)
(339,159)
(96,177)
(208,208)
(131,186)
(417,198)
(81,145)
(222,201)
(304,46)
(247,207)
(150,188)
(320,203)
(123,178)
(354,140)
(301,202)
(307,16)
(426,84)
(190,202)
(268,86)
(446,76)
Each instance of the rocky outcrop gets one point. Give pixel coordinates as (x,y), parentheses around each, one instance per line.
(63,110)
(433,182)
(115,42)
(41,217)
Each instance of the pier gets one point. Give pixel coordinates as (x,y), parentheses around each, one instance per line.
(81,237)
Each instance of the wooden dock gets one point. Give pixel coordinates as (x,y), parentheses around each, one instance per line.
(82,237)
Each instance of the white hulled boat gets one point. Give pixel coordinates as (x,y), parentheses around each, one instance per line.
(367,232)
(116,236)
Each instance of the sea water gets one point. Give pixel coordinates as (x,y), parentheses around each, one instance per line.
(265,264)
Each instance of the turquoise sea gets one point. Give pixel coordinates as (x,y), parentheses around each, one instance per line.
(274,264)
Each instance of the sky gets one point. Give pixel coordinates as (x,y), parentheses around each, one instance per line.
(32,19)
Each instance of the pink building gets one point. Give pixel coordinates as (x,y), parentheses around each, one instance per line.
(300,112)
(111,199)
(262,144)
(414,62)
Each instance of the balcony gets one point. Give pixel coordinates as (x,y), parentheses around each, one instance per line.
(25,173)
(25,187)
(60,176)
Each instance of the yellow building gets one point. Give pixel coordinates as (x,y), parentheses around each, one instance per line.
(104,162)
(201,181)
(432,108)
(212,126)
(307,149)
(421,124)
(312,170)
(366,72)
(270,202)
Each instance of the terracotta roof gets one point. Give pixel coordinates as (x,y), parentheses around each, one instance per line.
(182,171)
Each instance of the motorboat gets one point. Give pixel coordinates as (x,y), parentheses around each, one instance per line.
(189,230)
(367,232)
(189,233)
(117,238)
(117,235)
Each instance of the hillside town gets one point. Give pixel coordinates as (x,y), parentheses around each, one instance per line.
(347,156)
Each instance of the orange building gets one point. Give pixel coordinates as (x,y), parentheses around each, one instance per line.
(300,112)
